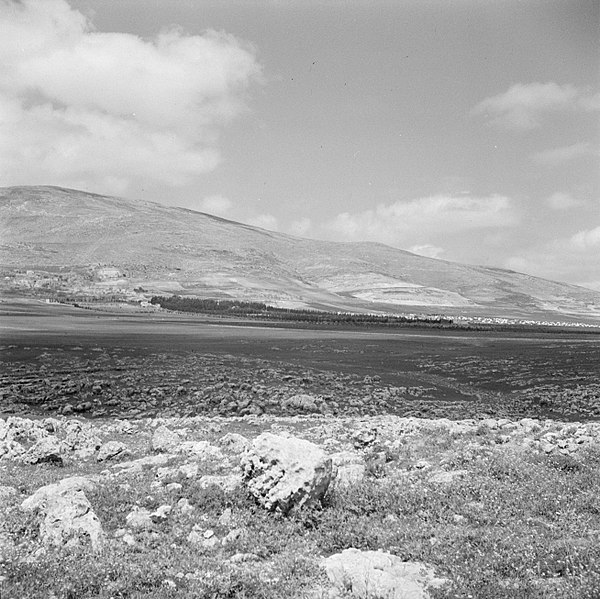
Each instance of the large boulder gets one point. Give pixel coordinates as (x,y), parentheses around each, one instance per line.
(379,575)
(67,515)
(285,473)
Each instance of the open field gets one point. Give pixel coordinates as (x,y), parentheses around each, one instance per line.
(475,456)
(58,359)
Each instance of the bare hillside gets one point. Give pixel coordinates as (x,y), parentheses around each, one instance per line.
(115,243)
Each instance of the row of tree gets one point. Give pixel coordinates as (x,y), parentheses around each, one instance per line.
(261,310)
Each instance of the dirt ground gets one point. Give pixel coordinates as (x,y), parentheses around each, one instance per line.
(57,358)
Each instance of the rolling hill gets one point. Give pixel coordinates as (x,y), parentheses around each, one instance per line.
(53,236)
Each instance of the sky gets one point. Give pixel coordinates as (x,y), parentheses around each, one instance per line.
(464,130)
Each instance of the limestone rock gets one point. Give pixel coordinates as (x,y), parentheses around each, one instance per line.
(301,402)
(349,468)
(139,518)
(7,548)
(111,450)
(234,443)
(165,440)
(201,450)
(7,492)
(47,449)
(66,486)
(67,514)
(378,575)
(285,473)
(227,482)
(146,463)
(81,439)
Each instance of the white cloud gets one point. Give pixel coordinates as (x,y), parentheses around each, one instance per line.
(557,156)
(586,240)
(108,110)
(300,227)
(572,258)
(264,221)
(216,204)
(523,106)
(562,201)
(419,222)
(428,250)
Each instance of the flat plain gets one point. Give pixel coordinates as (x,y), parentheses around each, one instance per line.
(472,455)
(59,359)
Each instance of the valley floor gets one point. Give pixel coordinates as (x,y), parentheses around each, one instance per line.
(472,454)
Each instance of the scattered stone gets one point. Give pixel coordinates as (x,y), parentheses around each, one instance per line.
(377,575)
(286,473)
(447,477)
(7,492)
(161,514)
(228,482)
(139,519)
(7,548)
(48,449)
(238,558)
(365,438)
(146,463)
(164,440)
(185,507)
(234,443)
(201,450)
(174,487)
(349,468)
(233,536)
(226,517)
(112,450)
(81,439)
(301,402)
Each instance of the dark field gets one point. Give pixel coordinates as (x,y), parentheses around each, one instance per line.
(57,359)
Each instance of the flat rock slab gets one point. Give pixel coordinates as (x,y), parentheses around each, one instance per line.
(379,575)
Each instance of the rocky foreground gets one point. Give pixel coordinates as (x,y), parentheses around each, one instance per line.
(303,506)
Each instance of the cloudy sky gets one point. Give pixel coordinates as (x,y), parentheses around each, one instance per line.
(465,130)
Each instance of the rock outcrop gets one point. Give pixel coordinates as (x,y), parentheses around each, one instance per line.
(67,515)
(379,575)
(286,473)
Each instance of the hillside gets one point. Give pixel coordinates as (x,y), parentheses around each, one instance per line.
(106,243)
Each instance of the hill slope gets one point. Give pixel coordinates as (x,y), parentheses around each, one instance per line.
(107,242)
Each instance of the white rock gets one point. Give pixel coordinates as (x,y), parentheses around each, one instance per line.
(111,450)
(201,450)
(139,519)
(286,473)
(149,462)
(349,468)
(47,449)
(67,513)
(234,443)
(377,575)
(228,482)
(303,402)
(165,440)
(161,513)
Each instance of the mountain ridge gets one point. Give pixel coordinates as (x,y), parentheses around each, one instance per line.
(180,250)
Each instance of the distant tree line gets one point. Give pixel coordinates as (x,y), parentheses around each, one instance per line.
(261,310)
